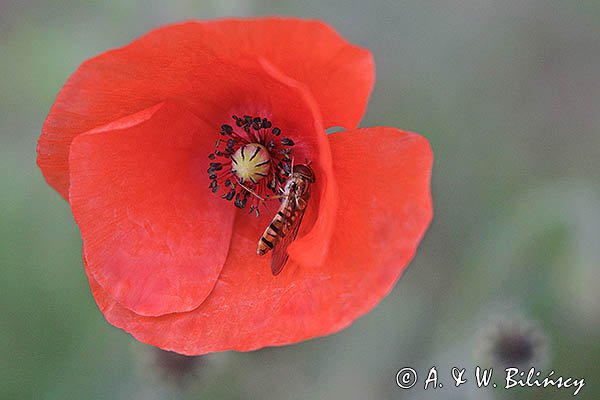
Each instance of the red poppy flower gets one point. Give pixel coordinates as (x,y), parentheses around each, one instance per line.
(169,244)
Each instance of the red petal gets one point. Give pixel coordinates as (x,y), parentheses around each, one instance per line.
(339,74)
(194,63)
(312,244)
(139,193)
(383,176)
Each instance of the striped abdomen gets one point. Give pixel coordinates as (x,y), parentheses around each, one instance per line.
(278,228)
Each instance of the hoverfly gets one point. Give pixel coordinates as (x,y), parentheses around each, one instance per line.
(283,229)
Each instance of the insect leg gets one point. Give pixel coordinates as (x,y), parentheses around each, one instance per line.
(263,199)
(250,190)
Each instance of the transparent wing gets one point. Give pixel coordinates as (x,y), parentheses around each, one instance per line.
(279,256)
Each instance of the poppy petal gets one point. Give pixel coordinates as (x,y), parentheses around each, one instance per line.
(384,178)
(139,193)
(193,63)
(340,75)
(311,246)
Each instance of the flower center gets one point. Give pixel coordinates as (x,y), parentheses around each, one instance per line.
(251,161)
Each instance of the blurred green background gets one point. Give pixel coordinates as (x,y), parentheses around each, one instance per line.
(508,93)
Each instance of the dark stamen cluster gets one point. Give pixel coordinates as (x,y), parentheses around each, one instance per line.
(256,123)
(249,130)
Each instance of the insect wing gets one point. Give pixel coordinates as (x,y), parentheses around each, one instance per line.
(280,256)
